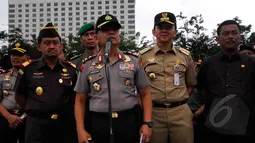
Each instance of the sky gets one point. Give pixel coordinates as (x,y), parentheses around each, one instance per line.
(213,11)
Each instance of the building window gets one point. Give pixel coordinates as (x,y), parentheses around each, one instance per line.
(48,9)
(20,10)
(131,6)
(20,26)
(62,24)
(34,20)
(41,25)
(48,20)
(55,14)
(131,27)
(55,19)
(55,4)
(27,5)
(62,4)
(27,20)
(70,3)
(20,5)
(34,15)
(11,6)
(70,24)
(55,24)
(27,30)
(77,18)
(131,16)
(70,13)
(63,14)
(27,10)
(131,11)
(106,7)
(70,19)
(92,12)
(27,25)
(92,7)
(41,9)
(27,15)
(41,20)
(107,12)
(11,11)
(41,4)
(131,1)
(62,9)
(77,13)
(63,19)
(77,24)
(121,1)
(70,8)
(131,22)
(63,29)
(122,6)
(122,17)
(92,18)
(11,21)
(84,13)
(20,15)
(84,3)
(106,2)
(114,7)
(114,12)
(122,22)
(34,25)
(41,14)
(70,29)
(84,8)
(48,4)
(34,30)
(122,27)
(122,11)
(99,2)
(91,3)
(55,9)
(77,3)
(77,8)
(77,28)
(131,32)
(27,35)
(63,34)
(20,20)
(114,2)
(100,12)
(34,5)
(84,18)
(99,7)
(48,14)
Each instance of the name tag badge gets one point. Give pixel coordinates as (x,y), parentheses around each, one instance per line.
(176,79)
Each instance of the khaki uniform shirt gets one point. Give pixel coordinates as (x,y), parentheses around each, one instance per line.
(160,68)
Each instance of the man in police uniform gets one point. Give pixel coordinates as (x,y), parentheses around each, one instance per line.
(248,50)
(89,42)
(170,72)
(125,75)
(45,91)
(11,117)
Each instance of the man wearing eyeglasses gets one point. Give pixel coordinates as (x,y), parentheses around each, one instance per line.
(88,41)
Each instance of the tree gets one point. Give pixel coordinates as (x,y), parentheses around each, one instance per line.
(15,35)
(245,29)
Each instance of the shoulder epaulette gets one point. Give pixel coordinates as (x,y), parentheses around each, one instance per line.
(184,51)
(88,58)
(27,63)
(131,53)
(75,57)
(146,50)
(71,64)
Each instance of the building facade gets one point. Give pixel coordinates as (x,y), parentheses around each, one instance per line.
(68,15)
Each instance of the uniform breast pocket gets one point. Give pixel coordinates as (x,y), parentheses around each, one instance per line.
(152,68)
(181,68)
(127,78)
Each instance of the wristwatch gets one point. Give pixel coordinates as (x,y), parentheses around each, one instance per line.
(149,124)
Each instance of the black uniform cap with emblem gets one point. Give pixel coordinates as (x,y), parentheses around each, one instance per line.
(165,17)
(19,48)
(106,20)
(49,31)
(247,47)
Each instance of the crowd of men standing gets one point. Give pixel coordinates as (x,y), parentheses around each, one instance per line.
(106,95)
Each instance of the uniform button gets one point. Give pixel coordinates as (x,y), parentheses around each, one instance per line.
(226,85)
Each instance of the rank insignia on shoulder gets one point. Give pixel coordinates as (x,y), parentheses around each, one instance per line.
(72,64)
(184,51)
(146,50)
(131,53)
(27,63)
(127,58)
(21,72)
(88,58)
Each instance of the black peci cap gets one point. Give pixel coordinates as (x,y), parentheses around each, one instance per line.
(49,31)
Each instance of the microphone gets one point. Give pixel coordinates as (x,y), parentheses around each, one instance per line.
(107,48)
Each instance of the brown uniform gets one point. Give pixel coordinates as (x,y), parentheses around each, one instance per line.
(172,118)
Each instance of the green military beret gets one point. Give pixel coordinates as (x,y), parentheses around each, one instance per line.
(86,27)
